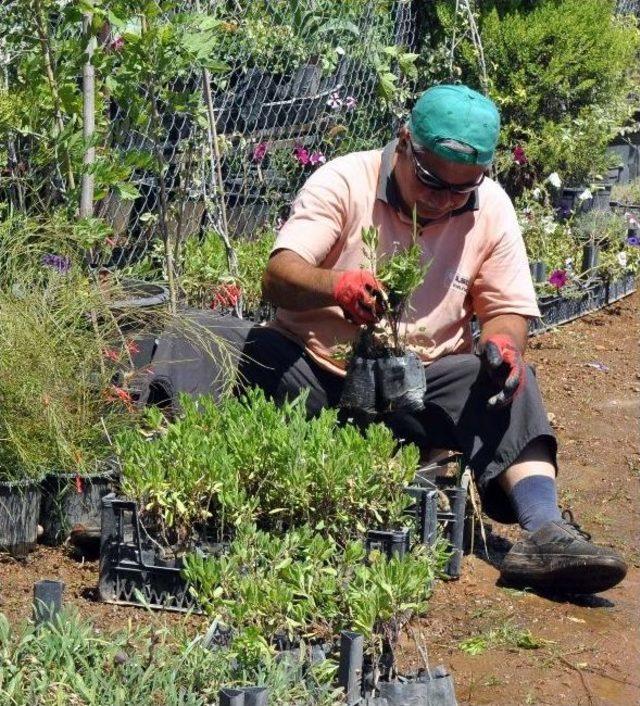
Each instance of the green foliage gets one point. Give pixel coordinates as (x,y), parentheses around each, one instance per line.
(402,271)
(203,265)
(304,585)
(69,662)
(627,193)
(508,635)
(245,459)
(559,70)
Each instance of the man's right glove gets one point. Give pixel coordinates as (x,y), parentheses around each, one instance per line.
(360,296)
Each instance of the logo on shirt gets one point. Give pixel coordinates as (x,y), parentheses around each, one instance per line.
(457,281)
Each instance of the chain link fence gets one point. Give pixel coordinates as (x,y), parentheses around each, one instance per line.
(209,114)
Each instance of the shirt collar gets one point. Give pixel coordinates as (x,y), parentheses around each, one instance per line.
(389,193)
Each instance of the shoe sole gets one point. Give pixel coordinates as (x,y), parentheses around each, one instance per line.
(587,577)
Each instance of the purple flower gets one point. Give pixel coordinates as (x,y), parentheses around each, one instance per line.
(558,278)
(57,262)
(633,240)
(317,158)
(301,154)
(259,152)
(335,102)
(519,155)
(350,103)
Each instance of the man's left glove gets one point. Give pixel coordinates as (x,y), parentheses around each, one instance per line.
(506,366)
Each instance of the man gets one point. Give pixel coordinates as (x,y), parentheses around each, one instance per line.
(487,406)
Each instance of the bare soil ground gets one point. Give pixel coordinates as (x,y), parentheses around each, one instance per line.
(532,650)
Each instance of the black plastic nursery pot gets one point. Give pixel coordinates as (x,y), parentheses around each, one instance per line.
(538,271)
(602,198)
(590,258)
(73,503)
(427,688)
(569,201)
(19,510)
(385,384)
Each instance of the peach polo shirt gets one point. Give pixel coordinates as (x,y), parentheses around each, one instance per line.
(478,259)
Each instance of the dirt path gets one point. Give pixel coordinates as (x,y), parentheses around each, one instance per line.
(531,650)
(587,654)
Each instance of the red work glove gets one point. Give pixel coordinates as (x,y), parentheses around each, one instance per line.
(506,367)
(360,295)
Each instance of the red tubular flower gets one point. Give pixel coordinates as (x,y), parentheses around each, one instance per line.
(225,296)
(519,155)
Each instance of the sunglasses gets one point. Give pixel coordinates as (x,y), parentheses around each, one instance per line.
(424,176)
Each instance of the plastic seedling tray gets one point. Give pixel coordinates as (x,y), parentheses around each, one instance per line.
(130,573)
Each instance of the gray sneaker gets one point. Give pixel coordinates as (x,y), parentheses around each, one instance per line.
(559,558)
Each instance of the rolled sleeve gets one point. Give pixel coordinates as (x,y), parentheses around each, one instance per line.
(503,284)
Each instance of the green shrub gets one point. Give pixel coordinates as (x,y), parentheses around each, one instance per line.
(627,193)
(560,71)
(305,586)
(246,459)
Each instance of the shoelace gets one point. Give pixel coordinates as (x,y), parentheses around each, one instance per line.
(567,517)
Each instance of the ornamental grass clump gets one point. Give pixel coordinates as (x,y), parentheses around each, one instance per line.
(59,406)
(221,465)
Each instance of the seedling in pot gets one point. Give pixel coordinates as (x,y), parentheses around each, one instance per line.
(383,374)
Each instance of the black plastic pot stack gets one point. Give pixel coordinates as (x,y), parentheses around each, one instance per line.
(19,510)
(429,490)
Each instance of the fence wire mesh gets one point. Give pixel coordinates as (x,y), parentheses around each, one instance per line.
(209,114)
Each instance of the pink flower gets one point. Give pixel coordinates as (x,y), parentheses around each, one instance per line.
(632,220)
(132,347)
(317,158)
(259,152)
(519,156)
(301,154)
(350,103)
(117,43)
(335,102)
(558,278)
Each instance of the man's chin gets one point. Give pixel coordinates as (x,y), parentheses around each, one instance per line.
(432,214)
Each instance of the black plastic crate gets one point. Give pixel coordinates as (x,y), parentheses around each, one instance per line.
(619,288)
(130,572)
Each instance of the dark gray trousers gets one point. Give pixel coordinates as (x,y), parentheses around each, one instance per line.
(455,415)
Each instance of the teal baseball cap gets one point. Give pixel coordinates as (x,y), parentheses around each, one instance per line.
(456,123)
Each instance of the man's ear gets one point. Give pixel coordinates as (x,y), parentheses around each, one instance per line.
(403,139)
